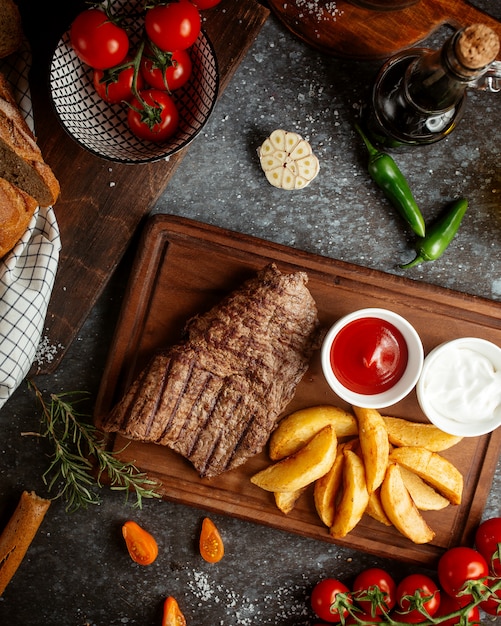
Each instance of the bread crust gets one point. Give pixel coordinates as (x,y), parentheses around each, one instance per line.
(21,161)
(16,210)
(11,29)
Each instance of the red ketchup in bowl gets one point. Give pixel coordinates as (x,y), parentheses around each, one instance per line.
(369,355)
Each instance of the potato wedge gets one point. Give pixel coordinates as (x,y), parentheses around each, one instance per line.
(297,429)
(402,432)
(400,508)
(375,508)
(327,488)
(424,496)
(354,499)
(286,500)
(434,469)
(374,444)
(302,468)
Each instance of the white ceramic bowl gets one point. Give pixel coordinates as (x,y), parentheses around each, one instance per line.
(460,387)
(402,387)
(102,128)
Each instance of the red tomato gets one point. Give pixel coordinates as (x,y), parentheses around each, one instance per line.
(205,4)
(488,542)
(156,118)
(97,41)
(420,585)
(173,26)
(325,603)
(170,72)
(449,605)
(378,587)
(115,85)
(458,565)
(492,605)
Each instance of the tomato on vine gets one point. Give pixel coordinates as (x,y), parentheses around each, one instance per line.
(325,601)
(413,591)
(116,84)
(166,70)
(449,605)
(173,26)
(456,567)
(492,606)
(153,116)
(488,543)
(97,40)
(374,590)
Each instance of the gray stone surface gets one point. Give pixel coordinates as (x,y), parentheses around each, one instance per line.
(77,572)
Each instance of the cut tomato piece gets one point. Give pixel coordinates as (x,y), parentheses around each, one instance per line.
(172,615)
(142,546)
(211,544)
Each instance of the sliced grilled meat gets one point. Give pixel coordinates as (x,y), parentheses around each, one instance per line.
(215,398)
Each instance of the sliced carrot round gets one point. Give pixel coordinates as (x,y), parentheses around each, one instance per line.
(211,544)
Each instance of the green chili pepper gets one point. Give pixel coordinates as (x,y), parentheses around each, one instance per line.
(440,235)
(387,175)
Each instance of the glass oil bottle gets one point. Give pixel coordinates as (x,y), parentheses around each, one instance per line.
(419,94)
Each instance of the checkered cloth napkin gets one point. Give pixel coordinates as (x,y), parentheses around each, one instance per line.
(27,273)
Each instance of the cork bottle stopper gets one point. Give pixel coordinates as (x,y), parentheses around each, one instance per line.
(477,46)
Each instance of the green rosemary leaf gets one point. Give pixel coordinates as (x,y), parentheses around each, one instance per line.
(75,441)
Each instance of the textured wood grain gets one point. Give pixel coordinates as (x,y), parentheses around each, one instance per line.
(102,203)
(184,267)
(357,33)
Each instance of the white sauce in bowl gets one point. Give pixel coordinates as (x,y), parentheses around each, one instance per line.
(463,386)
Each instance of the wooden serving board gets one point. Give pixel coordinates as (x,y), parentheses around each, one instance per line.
(184,267)
(356,33)
(102,203)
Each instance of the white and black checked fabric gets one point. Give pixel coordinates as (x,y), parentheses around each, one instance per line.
(27,273)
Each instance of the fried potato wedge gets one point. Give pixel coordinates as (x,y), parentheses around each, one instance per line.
(400,508)
(424,496)
(286,500)
(327,488)
(297,429)
(433,468)
(374,444)
(402,432)
(375,508)
(303,467)
(355,496)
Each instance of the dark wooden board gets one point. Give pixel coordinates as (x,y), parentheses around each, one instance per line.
(184,267)
(102,203)
(356,33)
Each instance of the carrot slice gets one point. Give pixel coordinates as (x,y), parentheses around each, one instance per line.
(172,613)
(211,544)
(142,546)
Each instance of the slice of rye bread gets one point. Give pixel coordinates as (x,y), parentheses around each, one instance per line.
(11,30)
(21,161)
(16,210)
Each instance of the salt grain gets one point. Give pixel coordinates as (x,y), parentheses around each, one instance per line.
(245,611)
(319,9)
(46,352)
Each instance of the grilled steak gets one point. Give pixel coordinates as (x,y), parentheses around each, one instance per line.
(215,397)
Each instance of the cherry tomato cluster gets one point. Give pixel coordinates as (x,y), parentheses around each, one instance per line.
(145,80)
(468,580)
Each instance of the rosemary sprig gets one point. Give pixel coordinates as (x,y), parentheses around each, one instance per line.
(75,441)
